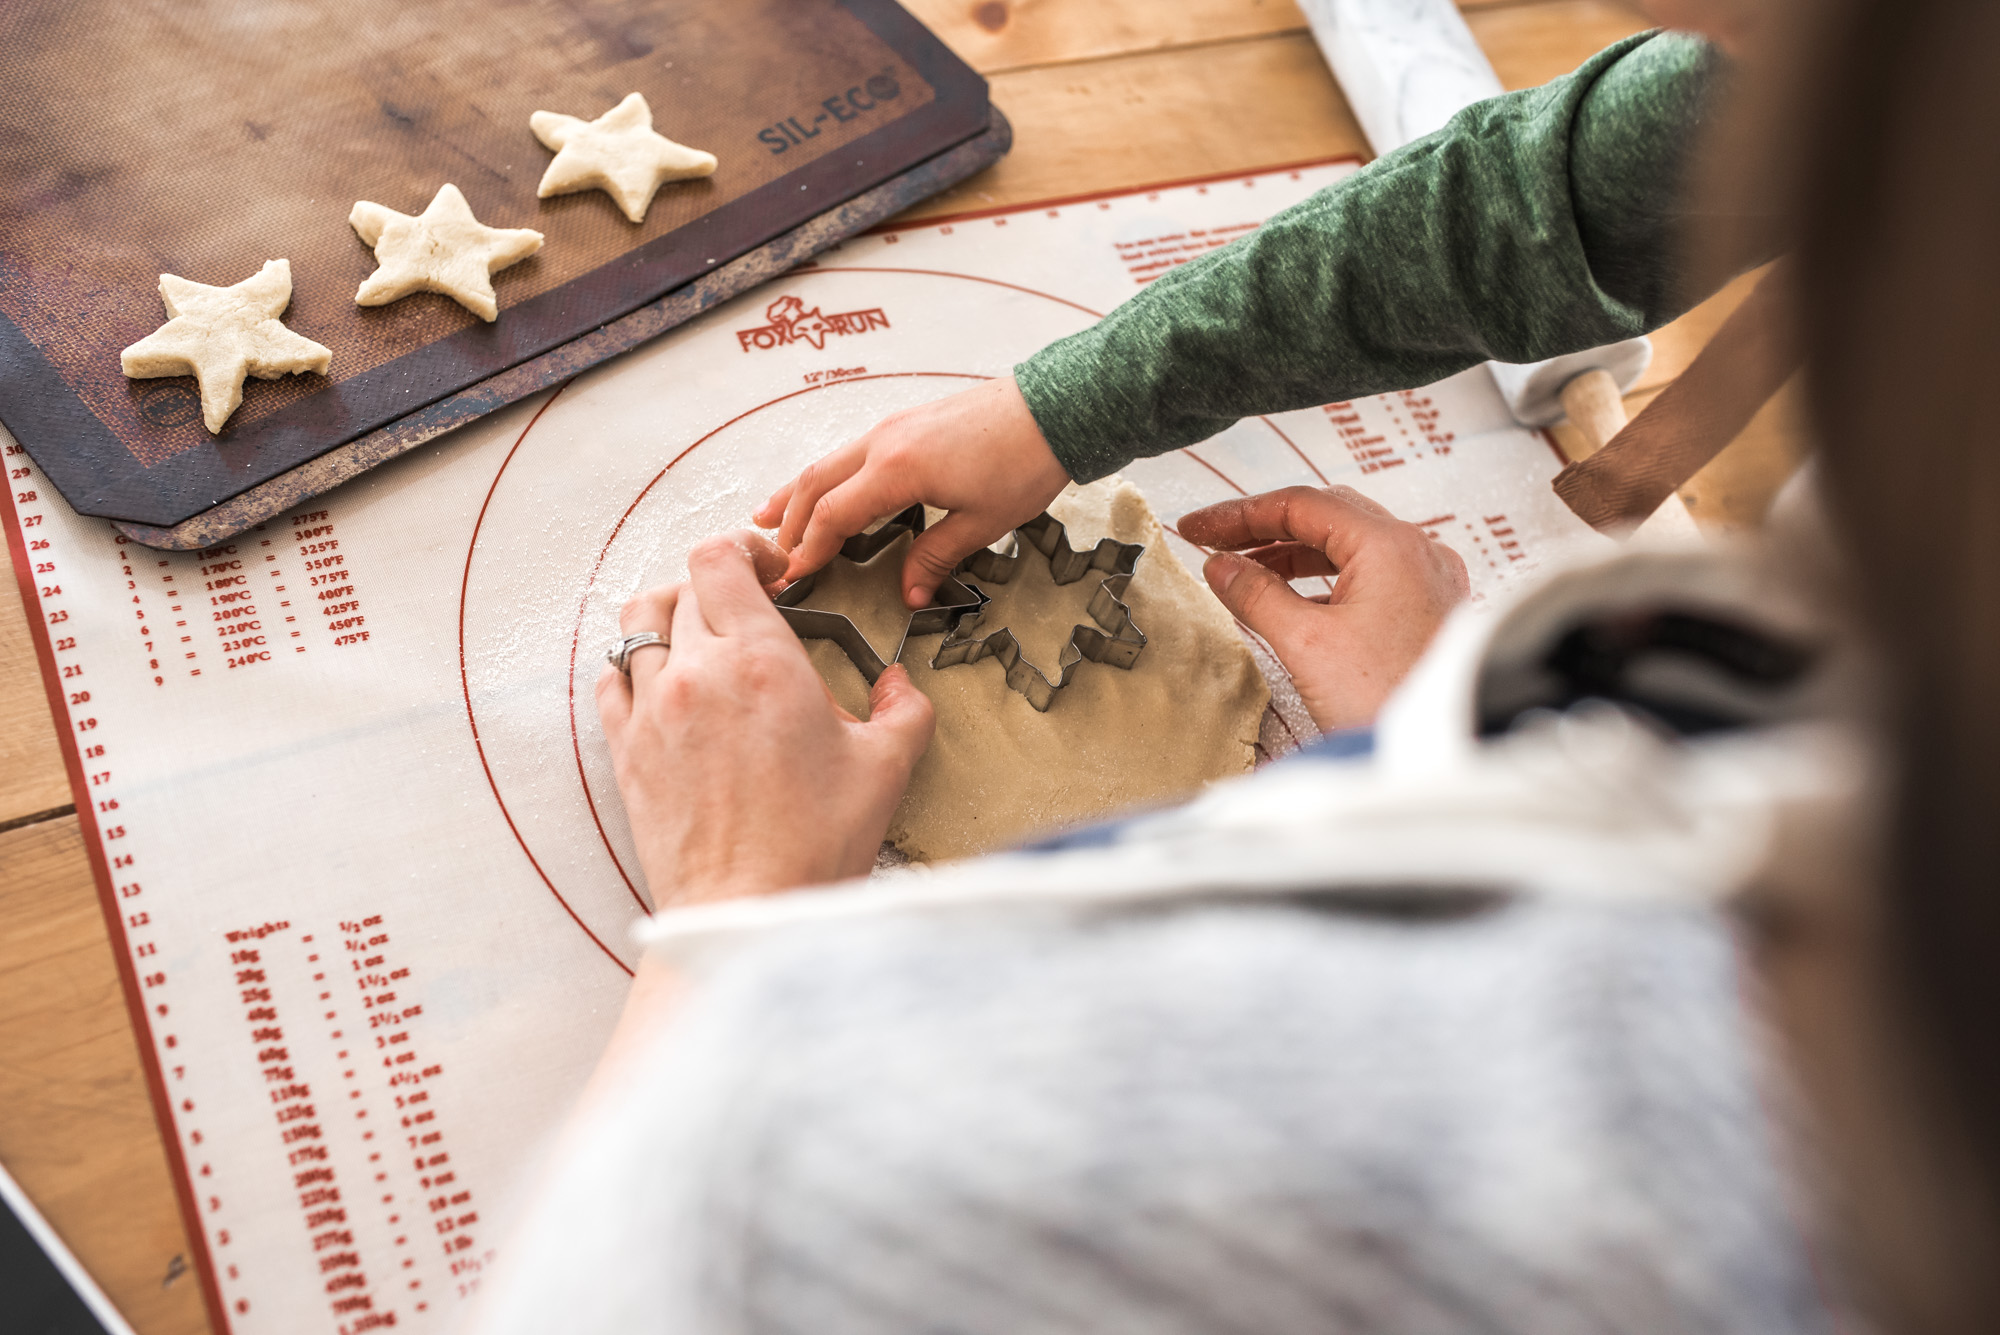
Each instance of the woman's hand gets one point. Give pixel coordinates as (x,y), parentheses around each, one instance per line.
(978,454)
(1346,650)
(739,772)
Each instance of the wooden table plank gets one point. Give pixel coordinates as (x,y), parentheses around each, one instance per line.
(78,1129)
(1130,121)
(994,36)
(32,779)
(1112,123)
(1529,44)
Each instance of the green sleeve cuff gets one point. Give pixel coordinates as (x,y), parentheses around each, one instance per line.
(1074,396)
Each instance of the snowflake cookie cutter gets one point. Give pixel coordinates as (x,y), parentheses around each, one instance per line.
(952,601)
(1114,639)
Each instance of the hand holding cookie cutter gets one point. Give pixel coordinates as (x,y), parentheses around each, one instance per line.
(952,601)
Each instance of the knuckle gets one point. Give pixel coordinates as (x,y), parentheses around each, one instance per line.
(1288,497)
(712,549)
(1408,537)
(933,560)
(644,607)
(755,670)
(1253,593)
(679,693)
(765,666)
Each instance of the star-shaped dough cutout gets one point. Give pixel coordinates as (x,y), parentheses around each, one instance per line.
(219,335)
(444,249)
(856,600)
(618,153)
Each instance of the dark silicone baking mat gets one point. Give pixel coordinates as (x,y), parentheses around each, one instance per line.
(203,138)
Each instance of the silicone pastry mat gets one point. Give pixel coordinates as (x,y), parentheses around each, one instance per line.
(201,138)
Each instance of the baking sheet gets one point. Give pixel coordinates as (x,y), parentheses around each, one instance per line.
(204,138)
(291,489)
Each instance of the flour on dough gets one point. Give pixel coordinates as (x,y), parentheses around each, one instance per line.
(618,153)
(444,249)
(998,772)
(219,335)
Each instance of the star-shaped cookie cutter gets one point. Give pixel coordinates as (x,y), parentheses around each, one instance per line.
(1114,640)
(952,601)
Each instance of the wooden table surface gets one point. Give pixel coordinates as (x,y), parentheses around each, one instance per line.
(1103,94)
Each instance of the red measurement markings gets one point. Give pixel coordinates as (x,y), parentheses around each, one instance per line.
(1500,543)
(97,803)
(362,1313)
(1424,417)
(1152,256)
(296,1112)
(120,892)
(1389,430)
(225,601)
(1365,443)
(72,681)
(329,581)
(389,1007)
(286,626)
(1489,538)
(137,565)
(178,646)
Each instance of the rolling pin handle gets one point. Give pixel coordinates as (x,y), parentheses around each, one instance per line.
(1596,409)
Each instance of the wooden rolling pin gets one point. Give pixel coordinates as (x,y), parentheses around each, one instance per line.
(1596,409)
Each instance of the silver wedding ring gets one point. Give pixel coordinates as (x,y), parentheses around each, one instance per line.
(619,655)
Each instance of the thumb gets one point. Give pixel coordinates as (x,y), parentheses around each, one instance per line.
(614,701)
(1257,596)
(937,552)
(900,717)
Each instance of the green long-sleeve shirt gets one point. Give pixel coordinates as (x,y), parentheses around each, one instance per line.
(1538,223)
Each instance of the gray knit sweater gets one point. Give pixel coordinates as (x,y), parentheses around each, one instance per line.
(1261,1118)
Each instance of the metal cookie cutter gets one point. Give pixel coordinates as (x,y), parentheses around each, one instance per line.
(951,601)
(1118,642)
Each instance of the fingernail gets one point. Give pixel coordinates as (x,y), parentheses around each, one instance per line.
(1222,570)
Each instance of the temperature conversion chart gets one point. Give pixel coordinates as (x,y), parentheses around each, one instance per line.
(349,806)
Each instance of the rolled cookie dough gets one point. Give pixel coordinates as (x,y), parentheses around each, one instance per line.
(998,772)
